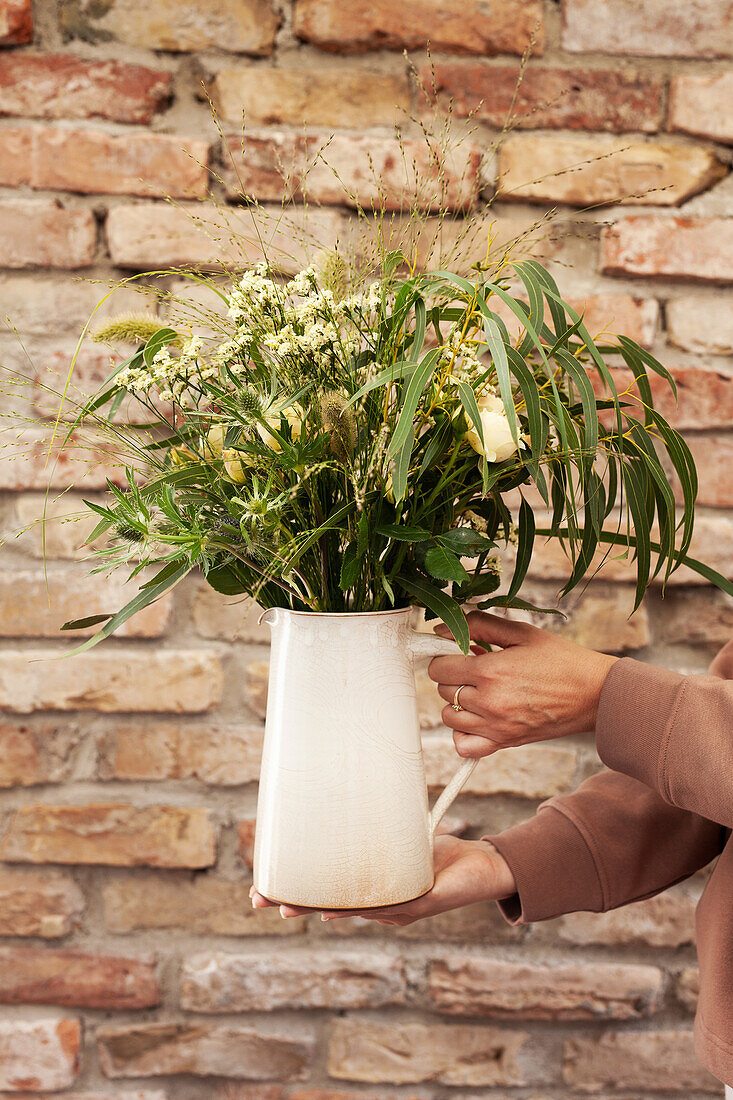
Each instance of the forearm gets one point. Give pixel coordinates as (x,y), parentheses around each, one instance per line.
(611,842)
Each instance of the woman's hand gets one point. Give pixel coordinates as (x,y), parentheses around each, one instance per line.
(465,871)
(537,687)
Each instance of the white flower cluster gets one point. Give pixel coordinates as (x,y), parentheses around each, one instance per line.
(170,374)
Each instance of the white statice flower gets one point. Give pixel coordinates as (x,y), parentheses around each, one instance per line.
(498,443)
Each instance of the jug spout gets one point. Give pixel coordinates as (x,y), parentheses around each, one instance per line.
(268,616)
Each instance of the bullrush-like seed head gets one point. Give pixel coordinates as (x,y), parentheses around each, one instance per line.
(340,422)
(128,328)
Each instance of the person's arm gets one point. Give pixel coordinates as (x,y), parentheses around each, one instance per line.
(674,733)
(612,841)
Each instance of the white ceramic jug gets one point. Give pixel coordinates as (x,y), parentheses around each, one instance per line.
(342,816)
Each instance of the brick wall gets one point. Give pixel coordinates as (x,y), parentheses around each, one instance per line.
(130,962)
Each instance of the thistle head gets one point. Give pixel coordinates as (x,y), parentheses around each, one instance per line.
(249,401)
(340,422)
(127,328)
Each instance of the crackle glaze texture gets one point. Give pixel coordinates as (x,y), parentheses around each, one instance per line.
(342,813)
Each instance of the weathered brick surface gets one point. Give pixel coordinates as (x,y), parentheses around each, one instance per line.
(364,172)
(661,1060)
(115,834)
(35,680)
(219,982)
(643,27)
(333,97)
(226,757)
(713,455)
(152,901)
(698,324)
(16,22)
(32,975)
(41,233)
(484,987)
(36,606)
(39,753)
(409,1053)
(667,920)
(62,159)
(241,26)
(148,235)
(698,105)
(148,1050)
(548,98)
(38,903)
(39,1054)
(582,170)
(347,26)
(57,85)
(676,248)
(203,905)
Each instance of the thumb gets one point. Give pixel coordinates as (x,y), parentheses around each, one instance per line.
(490,629)
(494,630)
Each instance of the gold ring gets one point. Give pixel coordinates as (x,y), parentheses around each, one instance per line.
(455,704)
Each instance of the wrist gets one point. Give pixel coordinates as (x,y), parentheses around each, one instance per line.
(500,881)
(597,672)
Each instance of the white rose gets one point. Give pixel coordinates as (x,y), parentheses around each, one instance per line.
(293,416)
(498,441)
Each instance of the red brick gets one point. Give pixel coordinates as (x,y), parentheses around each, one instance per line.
(51,85)
(667,920)
(112,834)
(674,247)
(644,28)
(42,753)
(151,235)
(104,681)
(713,455)
(68,524)
(704,396)
(42,304)
(246,841)
(41,233)
(661,1061)
(359,171)
(83,461)
(336,1094)
(149,1050)
(317,97)
(530,771)
(347,26)
(699,618)
(108,1094)
(92,367)
(226,756)
(474,986)
(16,22)
(39,1054)
(34,605)
(234,619)
(582,170)
(222,982)
(38,903)
(700,105)
(361,1050)
(240,26)
(479,923)
(40,976)
(688,988)
(548,98)
(91,161)
(202,905)
(701,324)
(603,314)
(712,542)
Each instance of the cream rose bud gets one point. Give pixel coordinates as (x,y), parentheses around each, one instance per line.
(498,441)
(294,417)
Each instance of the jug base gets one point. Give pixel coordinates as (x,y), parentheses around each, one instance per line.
(357,907)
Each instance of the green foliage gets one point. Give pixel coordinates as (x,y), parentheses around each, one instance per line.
(319,456)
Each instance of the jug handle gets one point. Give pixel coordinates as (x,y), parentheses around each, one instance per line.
(428,646)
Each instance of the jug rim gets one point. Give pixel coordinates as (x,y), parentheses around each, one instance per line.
(340,614)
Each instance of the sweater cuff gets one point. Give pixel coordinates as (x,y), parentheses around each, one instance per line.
(635,712)
(552,866)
